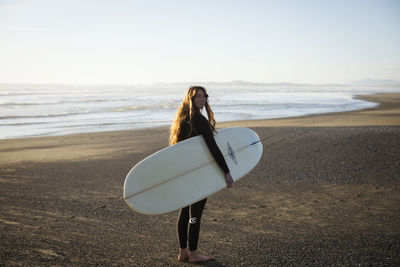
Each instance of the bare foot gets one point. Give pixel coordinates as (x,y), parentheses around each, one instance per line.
(183,254)
(194,256)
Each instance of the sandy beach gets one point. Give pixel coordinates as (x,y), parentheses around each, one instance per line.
(325,193)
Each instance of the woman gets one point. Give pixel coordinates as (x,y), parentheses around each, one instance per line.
(190,122)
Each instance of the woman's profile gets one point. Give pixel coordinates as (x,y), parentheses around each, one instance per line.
(190,122)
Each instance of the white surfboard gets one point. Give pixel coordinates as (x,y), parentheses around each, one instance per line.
(186,172)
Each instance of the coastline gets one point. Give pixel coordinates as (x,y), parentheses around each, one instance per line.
(386,113)
(326,192)
(305,120)
(102,144)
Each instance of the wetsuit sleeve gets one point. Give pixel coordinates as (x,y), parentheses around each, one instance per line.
(204,129)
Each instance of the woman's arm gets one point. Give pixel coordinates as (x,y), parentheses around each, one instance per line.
(204,129)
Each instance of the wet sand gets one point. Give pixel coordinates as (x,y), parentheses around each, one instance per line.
(326,192)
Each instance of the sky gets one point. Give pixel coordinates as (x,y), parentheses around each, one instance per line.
(149,41)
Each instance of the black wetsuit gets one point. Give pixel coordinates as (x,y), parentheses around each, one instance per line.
(194,211)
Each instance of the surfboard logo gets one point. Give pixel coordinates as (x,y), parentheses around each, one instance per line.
(231,153)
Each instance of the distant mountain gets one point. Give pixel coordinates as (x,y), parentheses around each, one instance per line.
(240,83)
(372,82)
(246,83)
(243,84)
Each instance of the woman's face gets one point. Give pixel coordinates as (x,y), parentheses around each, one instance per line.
(200,99)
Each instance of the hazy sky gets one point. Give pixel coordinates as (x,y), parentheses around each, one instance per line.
(121,41)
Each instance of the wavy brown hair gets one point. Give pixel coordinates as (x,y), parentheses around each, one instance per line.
(186,111)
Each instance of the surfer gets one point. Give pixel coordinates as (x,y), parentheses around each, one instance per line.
(190,122)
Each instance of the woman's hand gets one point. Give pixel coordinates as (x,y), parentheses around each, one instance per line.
(228,179)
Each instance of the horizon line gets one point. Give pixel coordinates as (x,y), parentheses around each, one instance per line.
(367,81)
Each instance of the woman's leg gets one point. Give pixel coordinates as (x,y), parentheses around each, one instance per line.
(196,210)
(182,227)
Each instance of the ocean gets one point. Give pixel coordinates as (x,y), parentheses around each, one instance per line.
(46,110)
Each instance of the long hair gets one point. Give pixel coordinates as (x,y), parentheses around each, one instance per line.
(186,112)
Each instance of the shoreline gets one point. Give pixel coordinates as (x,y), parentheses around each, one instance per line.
(387,112)
(83,146)
(384,113)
